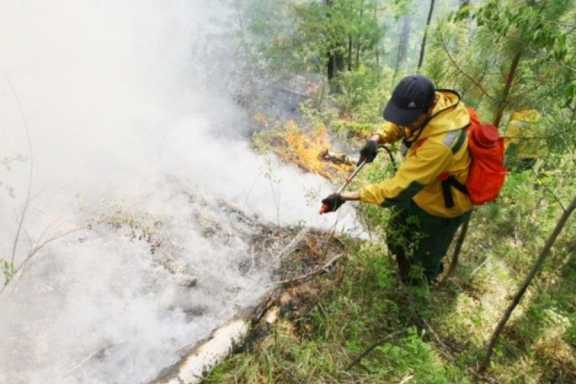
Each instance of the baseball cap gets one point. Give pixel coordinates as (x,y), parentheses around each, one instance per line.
(412,96)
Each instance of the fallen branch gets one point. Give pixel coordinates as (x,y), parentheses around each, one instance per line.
(291,247)
(299,237)
(306,276)
(337,158)
(199,359)
(445,350)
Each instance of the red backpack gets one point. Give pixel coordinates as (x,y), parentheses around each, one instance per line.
(487,173)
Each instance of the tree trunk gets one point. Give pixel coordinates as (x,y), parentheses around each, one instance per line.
(507,88)
(359,42)
(423,45)
(518,296)
(336,62)
(457,250)
(350,52)
(403,43)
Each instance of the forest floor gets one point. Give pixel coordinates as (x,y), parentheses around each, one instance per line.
(356,323)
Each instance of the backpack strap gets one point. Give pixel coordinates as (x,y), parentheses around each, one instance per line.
(447,185)
(454,140)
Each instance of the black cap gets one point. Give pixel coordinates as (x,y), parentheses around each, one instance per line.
(411,97)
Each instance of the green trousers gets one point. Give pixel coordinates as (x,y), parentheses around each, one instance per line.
(420,240)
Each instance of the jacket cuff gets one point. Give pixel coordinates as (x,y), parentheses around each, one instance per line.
(367,195)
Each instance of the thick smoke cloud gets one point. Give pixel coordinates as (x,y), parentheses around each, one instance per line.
(134,146)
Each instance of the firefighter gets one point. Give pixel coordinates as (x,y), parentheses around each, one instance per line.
(431,123)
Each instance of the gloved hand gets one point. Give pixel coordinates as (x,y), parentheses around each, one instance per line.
(332,203)
(368,152)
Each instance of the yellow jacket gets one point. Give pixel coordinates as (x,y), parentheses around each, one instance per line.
(440,148)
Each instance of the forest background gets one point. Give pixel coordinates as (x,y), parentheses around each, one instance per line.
(341,59)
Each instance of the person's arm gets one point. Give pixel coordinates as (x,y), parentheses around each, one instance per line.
(418,170)
(388,133)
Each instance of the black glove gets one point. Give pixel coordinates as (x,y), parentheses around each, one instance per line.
(332,203)
(368,152)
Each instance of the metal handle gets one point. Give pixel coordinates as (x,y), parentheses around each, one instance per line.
(351,177)
(325,208)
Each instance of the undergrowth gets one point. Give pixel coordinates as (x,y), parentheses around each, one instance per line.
(365,305)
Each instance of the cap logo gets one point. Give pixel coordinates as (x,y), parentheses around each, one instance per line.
(412,105)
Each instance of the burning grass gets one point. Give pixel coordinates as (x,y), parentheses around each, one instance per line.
(308,150)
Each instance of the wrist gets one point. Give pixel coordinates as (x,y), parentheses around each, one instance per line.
(350,196)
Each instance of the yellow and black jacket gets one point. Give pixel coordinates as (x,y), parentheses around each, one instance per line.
(440,149)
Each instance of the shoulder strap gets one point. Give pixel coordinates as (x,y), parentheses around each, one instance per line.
(455,139)
(447,185)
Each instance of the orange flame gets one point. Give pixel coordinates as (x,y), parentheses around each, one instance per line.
(307,149)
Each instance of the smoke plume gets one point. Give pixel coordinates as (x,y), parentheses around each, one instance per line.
(143,193)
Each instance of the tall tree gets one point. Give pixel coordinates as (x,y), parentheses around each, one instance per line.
(423,45)
(335,50)
(342,34)
(513,59)
(526,36)
(403,43)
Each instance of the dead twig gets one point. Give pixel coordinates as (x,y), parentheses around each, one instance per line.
(550,191)
(79,365)
(291,247)
(444,349)
(306,276)
(18,271)
(459,68)
(337,158)
(16,240)
(407,379)
(359,358)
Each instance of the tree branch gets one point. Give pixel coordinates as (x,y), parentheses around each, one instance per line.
(459,68)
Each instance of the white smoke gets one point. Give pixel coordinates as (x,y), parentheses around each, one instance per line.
(133,147)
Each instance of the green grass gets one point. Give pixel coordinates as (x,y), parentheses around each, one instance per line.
(349,318)
(367,304)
